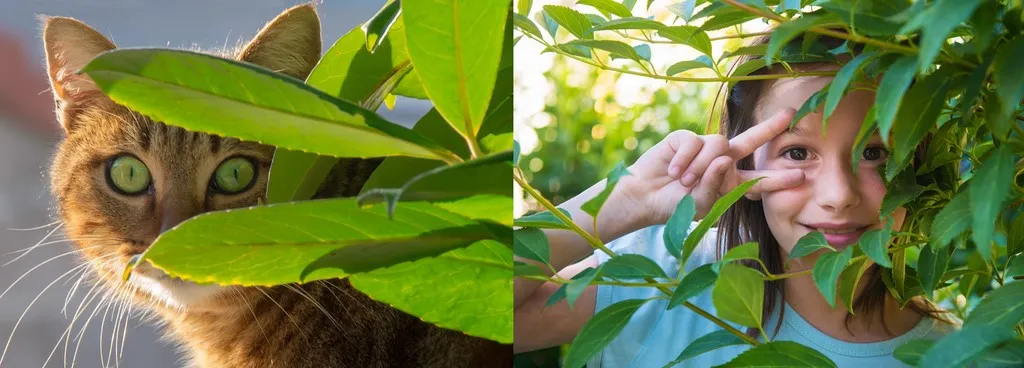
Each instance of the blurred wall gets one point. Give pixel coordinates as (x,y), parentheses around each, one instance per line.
(28,135)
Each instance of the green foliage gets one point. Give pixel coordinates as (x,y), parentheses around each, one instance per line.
(946,86)
(439,246)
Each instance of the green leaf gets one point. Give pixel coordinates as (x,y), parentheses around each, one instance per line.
(600,331)
(711,218)
(491,174)
(810,105)
(1014,268)
(842,80)
(868,127)
(631,266)
(1015,236)
(629,23)
(894,84)
(780,354)
(875,244)
(738,295)
(616,48)
(810,243)
(523,7)
(963,346)
(936,22)
(579,282)
(532,244)
(952,220)
(688,35)
(693,283)
(706,343)
(975,82)
(754,50)
(305,241)
(526,25)
(728,18)
(919,112)
(912,351)
(593,206)
(1008,355)
(571,20)
(988,193)
(826,272)
(868,17)
(787,31)
(527,269)
(931,264)
(515,153)
(224,97)
(543,220)
(468,290)
(378,26)
(743,251)
(608,6)
(702,61)
(1001,307)
(1009,78)
(903,191)
(455,47)
(849,279)
(683,9)
(556,297)
(351,72)
(549,24)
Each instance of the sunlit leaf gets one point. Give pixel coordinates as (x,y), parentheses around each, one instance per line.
(688,35)
(810,243)
(990,188)
(631,266)
(706,343)
(544,220)
(894,84)
(377,27)
(602,328)
(849,279)
(826,272)
(693,283)
(738,295)
(532,244)
(780,354)
(875,245)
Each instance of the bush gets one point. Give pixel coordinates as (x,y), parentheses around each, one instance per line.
(949,74)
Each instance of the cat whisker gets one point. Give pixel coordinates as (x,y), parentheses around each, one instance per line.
(81,332)
(29,307)
(286,314)
(315,303)
(82,271)
(86,301)
(36,267)
(34,246)
(239,294)
(37,227)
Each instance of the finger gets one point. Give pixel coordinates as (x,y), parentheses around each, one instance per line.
(747,142)
(714,146)
(685,144)
(711,183)
(773,180)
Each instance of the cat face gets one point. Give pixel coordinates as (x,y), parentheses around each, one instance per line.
(121,179)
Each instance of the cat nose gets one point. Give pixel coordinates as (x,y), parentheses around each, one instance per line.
(175,213)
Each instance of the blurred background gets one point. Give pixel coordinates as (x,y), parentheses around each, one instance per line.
(29,132)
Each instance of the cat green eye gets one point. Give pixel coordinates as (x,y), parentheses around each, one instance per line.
(234,175)
(127,175)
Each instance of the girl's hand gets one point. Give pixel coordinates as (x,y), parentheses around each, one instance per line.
(702,166)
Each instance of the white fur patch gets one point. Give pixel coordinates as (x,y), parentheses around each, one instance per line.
(173,292)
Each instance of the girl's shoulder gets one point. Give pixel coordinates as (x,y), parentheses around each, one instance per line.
(650,242)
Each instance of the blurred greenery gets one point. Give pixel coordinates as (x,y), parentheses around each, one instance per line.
(590,130)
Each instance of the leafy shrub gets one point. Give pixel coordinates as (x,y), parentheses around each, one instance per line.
(418,222)
(949,74)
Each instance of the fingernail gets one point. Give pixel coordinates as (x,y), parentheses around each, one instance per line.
(689,179)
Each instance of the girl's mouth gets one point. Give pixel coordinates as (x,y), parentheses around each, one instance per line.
(838,237)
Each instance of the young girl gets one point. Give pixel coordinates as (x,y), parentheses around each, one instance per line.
(809,185)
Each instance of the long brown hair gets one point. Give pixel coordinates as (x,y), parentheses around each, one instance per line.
(745,221)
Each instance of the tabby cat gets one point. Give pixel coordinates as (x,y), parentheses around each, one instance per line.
(121,179)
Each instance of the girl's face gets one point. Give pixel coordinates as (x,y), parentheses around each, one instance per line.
(832,199)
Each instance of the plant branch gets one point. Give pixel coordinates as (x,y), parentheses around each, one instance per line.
(600,282)
(787,275)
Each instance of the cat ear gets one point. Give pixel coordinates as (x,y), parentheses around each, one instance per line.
(289,44)
(70,44)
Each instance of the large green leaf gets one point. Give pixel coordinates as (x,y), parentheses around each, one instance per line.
(744,251)
(903,190)
(849,279)
(780,354)
(952,220)
(600,331)
(989,190)
(826,272)
(616,48)
(837,89)
(738,295)
(310,240)
(351,72)
(468,289)
(631,266)
(894,84)
(570,19)
(678,226)
(936,22)
(965,345)
(868,17)
(786,31)
(919,112)
(931,264)
(608,6)
(688,35)
(693,283)
(629,23)
(224,97)
(491,175)
(1009,78)
(495,133)
(875,243)
(543,220)
(912,351)
(712,217)
(456,47)
(1002,307)
(706,343)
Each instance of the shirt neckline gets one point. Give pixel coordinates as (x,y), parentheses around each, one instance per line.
(823,341)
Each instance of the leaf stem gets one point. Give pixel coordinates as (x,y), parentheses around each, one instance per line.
(787,275)
(600,282)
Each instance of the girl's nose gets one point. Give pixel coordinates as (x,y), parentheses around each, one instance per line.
(836,188)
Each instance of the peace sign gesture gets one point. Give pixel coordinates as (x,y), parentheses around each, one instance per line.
(703,166)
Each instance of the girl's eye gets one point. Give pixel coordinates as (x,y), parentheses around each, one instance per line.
(128,175)
(875,153)
(796,154)
(234,175)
